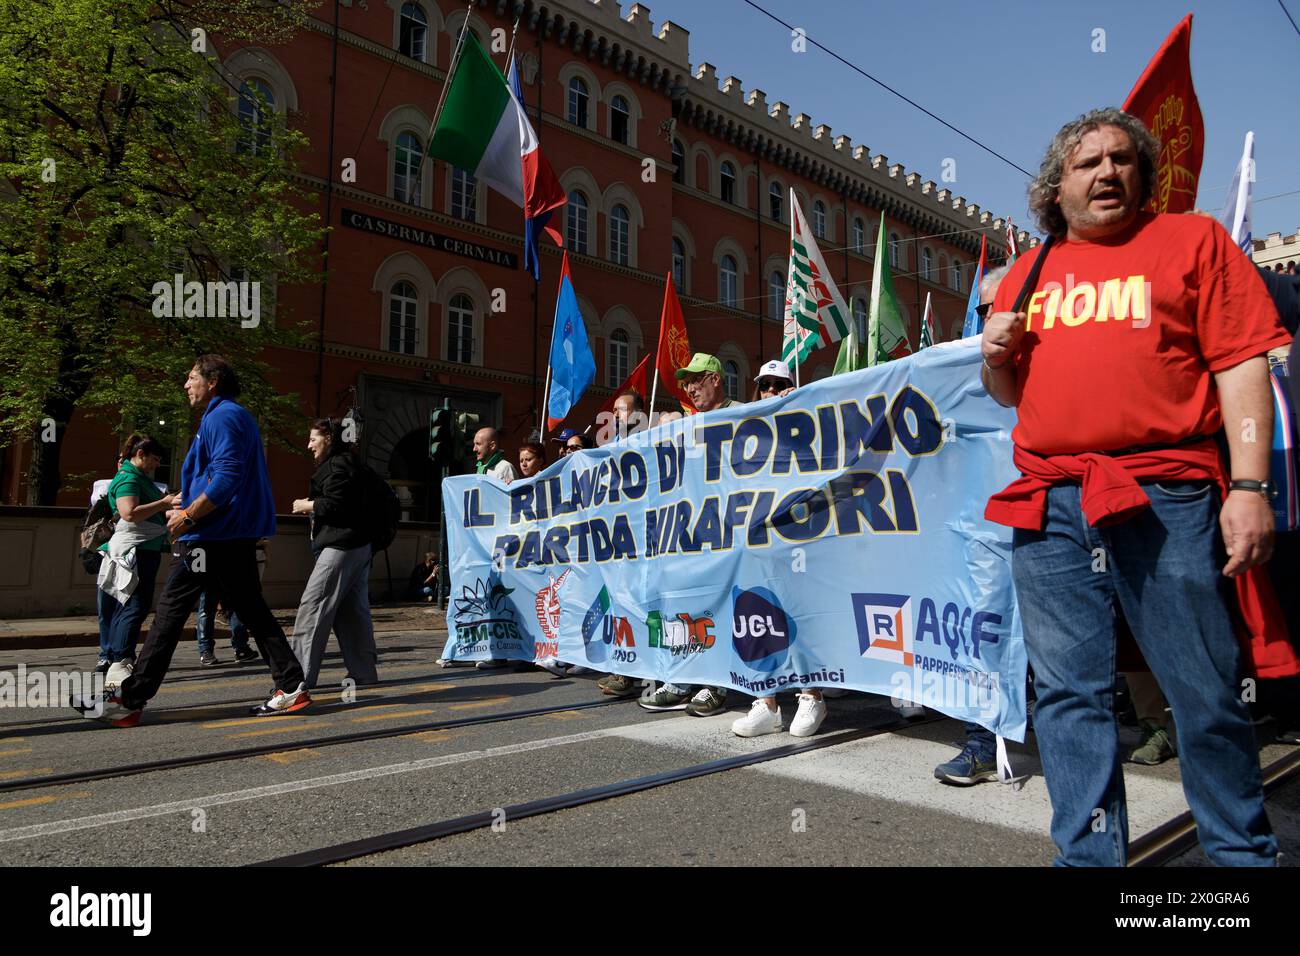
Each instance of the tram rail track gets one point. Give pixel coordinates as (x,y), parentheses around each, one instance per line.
(427,833)
(241,753)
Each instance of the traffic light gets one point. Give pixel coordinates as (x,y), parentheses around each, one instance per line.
(442,448)
(467,425)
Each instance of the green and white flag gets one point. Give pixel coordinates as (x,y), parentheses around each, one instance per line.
(927,324)
(886,330)
(815,313)
(851,357)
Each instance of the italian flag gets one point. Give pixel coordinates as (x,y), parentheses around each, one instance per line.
(484,130)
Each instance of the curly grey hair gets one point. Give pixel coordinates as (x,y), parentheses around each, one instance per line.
(1044,190)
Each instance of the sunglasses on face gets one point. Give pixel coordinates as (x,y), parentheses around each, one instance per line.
(770,385)
(572,448)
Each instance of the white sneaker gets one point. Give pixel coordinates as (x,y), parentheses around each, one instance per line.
(555,668)
(575,670)
(911,712)
(808,718)
(117,673)
(760,720)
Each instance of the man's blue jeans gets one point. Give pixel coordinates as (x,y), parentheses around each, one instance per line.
(206,626)
(1162,568)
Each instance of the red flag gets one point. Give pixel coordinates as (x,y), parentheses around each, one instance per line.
(1165,101)
(638,381)
(674,350)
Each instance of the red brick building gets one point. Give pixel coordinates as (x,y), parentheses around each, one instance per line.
(667,169)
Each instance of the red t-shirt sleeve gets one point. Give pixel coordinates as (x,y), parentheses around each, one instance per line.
(1235,316)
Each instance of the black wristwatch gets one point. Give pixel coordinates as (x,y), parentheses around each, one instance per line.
(1266,487)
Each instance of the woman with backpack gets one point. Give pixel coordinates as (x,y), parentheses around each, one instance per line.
(337,596)
(132,556)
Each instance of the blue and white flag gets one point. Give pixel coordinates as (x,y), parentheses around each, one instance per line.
(1236,212)
(831,537)
(572,366)
(974,323)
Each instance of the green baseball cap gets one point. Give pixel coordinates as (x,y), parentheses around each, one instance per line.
(700,362)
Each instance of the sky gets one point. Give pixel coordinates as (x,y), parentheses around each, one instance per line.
(1009,75)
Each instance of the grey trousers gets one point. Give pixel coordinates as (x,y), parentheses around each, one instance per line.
(337,597)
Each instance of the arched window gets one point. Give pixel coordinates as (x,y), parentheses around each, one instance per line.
(256,104)
(406,168)
(727,274)
(619,118)
(819,219)
(679,160)
(403,312)
(859,236)
(460,329)
(619,360)
(679,265)
(955,270)
(576,222)
(464,201)
(618,235)
(774,199)
(731,380)
(893,250)
(860,320)
(727,178)
(776,296)
(578,98)
(927,264)
(413,29)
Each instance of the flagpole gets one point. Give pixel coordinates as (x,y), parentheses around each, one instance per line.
(451,69)
(789,284)
(510,52)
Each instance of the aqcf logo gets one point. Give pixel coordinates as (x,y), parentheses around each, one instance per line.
(761,631)
(885,631)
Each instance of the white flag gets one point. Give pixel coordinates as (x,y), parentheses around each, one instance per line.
(1236,213)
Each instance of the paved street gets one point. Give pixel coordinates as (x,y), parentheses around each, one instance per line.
(870,801)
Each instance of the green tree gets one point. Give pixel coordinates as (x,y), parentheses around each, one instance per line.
(127,155)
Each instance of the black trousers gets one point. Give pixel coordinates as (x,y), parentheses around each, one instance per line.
(226,570)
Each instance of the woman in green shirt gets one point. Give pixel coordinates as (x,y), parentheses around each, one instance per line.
(135,498)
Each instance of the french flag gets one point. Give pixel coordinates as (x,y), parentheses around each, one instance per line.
(543,193)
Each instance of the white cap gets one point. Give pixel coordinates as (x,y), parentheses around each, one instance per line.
(775,369)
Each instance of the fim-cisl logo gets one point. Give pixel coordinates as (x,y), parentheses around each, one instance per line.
(484,619)
(606,636)
(761,631)
(76,909)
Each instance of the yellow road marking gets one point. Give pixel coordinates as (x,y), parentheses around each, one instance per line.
(475,704)
(292,756)
(11,774)
(14,753)
(435,736)
(37,801)
(567,715)
(243,721)
(393,716)
(284,729)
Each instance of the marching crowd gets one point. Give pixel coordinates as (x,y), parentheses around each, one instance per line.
(1129,443)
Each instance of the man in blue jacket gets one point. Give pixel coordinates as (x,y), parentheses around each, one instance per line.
(226,493)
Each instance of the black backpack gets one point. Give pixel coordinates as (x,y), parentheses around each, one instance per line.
(380,508)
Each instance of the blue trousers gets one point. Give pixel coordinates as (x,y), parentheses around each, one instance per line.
(1163,569)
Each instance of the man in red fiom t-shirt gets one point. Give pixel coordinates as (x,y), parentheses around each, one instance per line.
(1143,336)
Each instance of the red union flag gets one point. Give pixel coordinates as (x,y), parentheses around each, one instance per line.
(1164,99)
(674,350)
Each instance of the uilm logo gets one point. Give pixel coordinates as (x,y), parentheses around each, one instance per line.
(75,909)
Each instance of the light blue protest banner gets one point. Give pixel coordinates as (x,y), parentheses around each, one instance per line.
(833,537)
